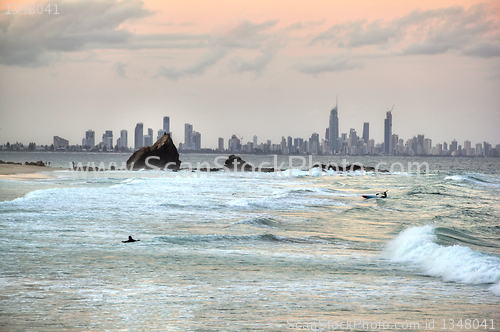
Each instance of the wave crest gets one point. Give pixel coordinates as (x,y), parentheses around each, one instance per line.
(417,245)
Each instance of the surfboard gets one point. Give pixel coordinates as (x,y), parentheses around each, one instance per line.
(371,196)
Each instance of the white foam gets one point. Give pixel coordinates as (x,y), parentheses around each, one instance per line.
(495,289)
(456,178)
(417,245)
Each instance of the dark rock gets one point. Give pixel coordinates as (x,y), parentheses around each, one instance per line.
(162,153)
(233,162)
(353,167)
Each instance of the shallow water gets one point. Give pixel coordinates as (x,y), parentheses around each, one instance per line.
(233,253)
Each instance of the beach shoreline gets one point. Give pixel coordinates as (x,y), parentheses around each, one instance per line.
(19,180)
(25,172)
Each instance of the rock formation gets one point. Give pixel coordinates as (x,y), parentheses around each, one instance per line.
(354,167)
(233,162)
(35,163)
(163,152)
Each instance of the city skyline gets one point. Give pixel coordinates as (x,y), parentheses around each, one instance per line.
(331,144)
(252,69)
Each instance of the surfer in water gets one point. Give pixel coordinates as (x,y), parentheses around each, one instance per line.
(382,194)
(130,239)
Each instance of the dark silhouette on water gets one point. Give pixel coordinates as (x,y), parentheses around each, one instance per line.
(383,194)
(130,239)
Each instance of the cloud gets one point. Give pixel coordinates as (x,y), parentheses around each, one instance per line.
(257,65)
(224,40)
(453,30)
(244,34)
(37,40)
(119,69)
(483,49)
(426,32)
(208,60)
(305,25)
(334,64)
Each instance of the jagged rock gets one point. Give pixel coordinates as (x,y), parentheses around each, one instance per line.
(354,167)
(163,152)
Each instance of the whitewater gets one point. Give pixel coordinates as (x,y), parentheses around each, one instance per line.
(244,252)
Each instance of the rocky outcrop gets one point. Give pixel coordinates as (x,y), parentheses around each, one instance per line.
(10,162)
(235,162)
(354,167)
(35,163)
(161,154)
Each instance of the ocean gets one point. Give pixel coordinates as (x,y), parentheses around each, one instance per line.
(225,251)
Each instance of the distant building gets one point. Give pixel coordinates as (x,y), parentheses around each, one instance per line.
(107,139)
(188,137)
(333,130)
(468,148)
(60,143)
(486,149)
(123,139)
(89,139)
(221,144)
(147,140)
(388,133)
(139,136)
(196,141)
(453,146)
(314,144)
(427,146)
(234,144)
(479,149)
(166,125)
(366,132)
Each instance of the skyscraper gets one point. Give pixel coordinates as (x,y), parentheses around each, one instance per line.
(366,132)
(333,129)
(148,140)
(468,148)
(123,139)
(138,137)
(90,138)
(107,139)
(221,144)
(388,133)
(166,124)
(188,137)
(196,141)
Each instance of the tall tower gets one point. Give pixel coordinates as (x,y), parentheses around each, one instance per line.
(123,139)
(366,132)
(388,133)
(333,130)
(188,136)
(139,136)
(166,124)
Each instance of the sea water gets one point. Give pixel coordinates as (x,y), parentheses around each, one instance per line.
(228,251)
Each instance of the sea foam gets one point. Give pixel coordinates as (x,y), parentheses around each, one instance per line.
(417,245)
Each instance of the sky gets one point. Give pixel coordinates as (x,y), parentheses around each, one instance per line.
(265,68)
